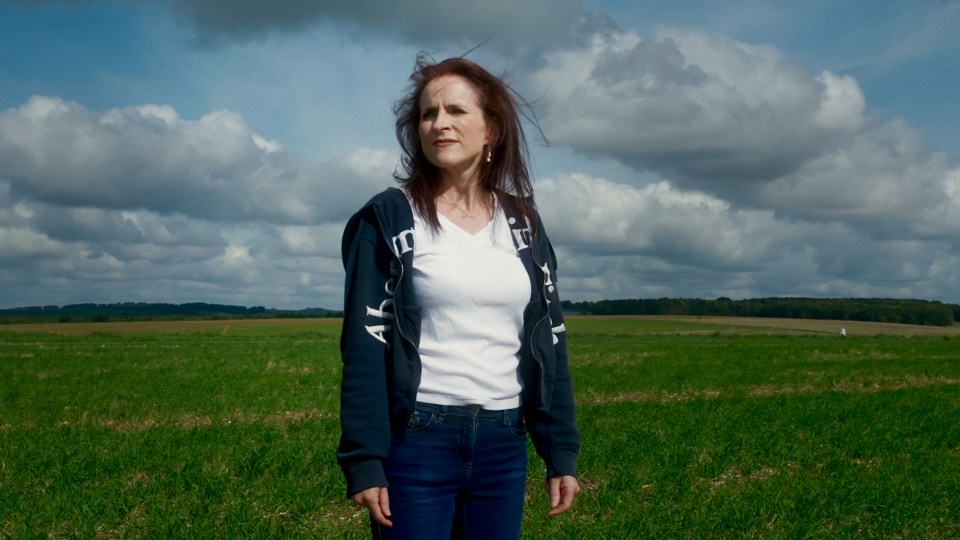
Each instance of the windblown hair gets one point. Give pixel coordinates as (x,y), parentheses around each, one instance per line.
(502,106)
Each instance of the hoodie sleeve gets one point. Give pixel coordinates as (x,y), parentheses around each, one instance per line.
(555,433)
(367,316)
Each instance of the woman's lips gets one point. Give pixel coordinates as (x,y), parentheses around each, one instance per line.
(442,143)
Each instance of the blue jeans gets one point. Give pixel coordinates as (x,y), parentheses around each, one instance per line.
(457,472)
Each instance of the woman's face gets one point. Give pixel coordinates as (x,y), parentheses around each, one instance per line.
(453,129)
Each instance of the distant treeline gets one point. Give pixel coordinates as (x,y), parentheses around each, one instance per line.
(843,309)
(921,312)
(140,311)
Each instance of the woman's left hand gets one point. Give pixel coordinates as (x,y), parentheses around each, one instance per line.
(562,491)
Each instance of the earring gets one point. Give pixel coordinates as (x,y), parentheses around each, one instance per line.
(489,155)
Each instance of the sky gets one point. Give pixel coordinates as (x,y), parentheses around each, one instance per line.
(212,150)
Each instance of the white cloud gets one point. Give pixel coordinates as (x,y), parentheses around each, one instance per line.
(780,183)
(16,243)
(686,227)
(148,157)
(139,204)
(841,104)
(886,181)
(617,240)
(942,220)
(769,176)
(311,241)
(704,109)
(162,258)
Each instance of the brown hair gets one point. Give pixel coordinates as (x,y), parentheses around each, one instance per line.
(507,171)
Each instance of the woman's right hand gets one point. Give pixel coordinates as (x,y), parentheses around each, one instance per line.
(377,501)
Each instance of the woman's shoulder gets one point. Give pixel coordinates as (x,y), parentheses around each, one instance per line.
(514,207)
(386,213)
(390,207)
(390,195)
(512,202)
(391,198)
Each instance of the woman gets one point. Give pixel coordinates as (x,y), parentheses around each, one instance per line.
(453,341)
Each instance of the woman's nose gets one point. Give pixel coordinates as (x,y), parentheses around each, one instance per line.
(442,121)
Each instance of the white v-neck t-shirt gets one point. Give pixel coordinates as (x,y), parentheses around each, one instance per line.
(472,290)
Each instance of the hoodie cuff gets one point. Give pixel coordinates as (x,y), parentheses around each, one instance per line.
(562,463)
(364,475)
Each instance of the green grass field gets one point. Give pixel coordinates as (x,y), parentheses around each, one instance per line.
(692,428)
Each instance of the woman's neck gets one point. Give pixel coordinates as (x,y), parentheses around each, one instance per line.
(463,191)
(466,201)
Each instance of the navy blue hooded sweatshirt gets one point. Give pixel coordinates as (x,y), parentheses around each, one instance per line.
(381,333)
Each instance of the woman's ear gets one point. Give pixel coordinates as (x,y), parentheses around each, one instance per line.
(492,134)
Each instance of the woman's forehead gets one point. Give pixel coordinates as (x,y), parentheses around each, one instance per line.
(449,89)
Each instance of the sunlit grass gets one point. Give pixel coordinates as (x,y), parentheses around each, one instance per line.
(690,430)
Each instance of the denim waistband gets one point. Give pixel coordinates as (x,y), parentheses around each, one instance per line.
(466,410)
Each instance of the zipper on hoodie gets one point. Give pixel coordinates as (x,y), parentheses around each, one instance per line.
(399,328)
(544,303)
(383,231)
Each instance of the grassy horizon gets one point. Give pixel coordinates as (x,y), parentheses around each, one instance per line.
(692,428)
